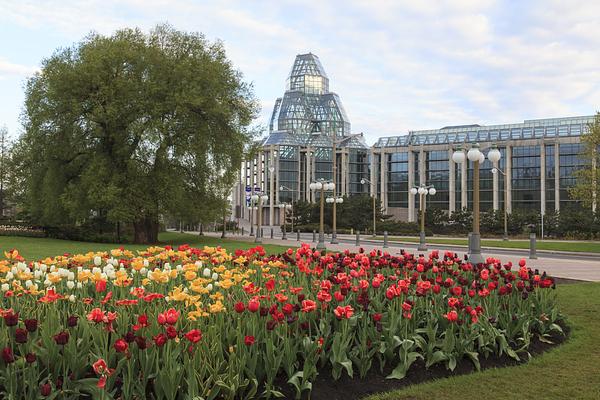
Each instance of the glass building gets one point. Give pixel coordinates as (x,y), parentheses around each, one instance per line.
(299,148)
(539,157)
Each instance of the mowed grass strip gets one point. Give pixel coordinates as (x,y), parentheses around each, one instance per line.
(39,248)
(570,371)
(583,246)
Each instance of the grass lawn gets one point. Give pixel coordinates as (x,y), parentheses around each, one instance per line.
(38,248)
(570,371)
(591,247)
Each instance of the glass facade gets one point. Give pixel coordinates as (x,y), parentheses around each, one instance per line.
(397,179)
(526,177)
(570,160)
(437,167)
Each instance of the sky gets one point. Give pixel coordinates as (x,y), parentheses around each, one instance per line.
(397,65)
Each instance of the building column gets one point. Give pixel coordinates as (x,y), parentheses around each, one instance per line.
(508,177)
(411,184)
(556,177)
(373,175)
(422,175)
(344,174)
(451,182)
(272,186)
(543,178)
(308,176)
(252,185)
(464,199)
(495,186)
(383,170)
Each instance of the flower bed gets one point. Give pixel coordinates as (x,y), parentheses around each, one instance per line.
(178,323)
(19,230)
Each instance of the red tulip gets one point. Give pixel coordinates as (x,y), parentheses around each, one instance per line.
(249,340)
(239,307)
(121,346)
(253,305)
(194,336)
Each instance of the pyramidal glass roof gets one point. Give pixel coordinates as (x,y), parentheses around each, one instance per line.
(308,108)
(529,129)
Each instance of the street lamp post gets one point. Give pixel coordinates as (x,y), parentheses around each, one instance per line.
(362,182)
(496,170)
(477,157)
(259,199)
(282,187)
(322,186)
(285,207)
(422,191)
(334,200)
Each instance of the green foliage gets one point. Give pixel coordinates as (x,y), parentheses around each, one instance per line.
(587,188)
(133,126)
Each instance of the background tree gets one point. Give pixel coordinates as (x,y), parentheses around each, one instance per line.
(134,126)
(587,187)
(5,153)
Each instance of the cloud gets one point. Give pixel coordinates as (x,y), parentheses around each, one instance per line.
(398,65)
(8,68)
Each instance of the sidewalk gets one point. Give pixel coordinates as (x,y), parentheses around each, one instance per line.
(562,266)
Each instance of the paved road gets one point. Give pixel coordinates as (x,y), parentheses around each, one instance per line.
(580,266)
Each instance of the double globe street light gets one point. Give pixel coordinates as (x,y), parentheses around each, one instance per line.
(476,157)
(362,182)
(259,199)
(323,186)
(285,207)
(422,191)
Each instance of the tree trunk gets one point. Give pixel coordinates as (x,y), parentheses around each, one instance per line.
(145,230)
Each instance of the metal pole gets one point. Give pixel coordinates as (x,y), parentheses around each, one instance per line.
(385,239)
(242,231)
(334,231)
(357,243)
(374,216)
(258,238)
(475,256)
(505,238)
(532,246)
(314,236)
(422,245)
(298,235)
(271,233)
(321,244)
(284,236)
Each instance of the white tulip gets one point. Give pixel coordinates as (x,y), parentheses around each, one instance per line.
(71,276)
(97,261)
(209,287)
(146,263)
(28,283)
(5,287)
(79,285)
(72,298)
(206,273)
(70,284)
(179,267)
(215,276)
(9,275)
(143,271)
(47,282)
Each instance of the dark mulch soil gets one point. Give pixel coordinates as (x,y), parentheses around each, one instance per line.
(346,388)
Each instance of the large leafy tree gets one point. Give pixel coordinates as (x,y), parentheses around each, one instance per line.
(133,126)
(587,188)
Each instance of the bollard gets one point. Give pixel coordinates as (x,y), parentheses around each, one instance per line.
(262,233)
(271,233)
(242,231)
(314,236)
(298,235)
(385,240)
(532,244)
(357,238)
